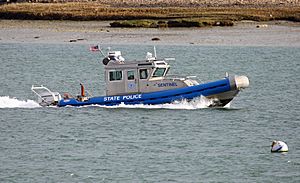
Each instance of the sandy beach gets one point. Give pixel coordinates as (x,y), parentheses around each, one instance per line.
(279,33)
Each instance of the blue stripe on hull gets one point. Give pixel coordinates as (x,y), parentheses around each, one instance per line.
(160,97)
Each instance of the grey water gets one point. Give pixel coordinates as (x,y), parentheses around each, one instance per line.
(98,144)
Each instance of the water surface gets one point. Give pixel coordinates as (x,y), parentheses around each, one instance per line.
(170,143)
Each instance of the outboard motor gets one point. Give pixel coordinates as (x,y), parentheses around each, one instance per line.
(45,96)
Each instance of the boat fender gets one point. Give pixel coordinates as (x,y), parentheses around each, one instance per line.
(279,146)
(241,82)
(105,60)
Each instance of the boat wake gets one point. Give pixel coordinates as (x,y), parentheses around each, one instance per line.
(197,103)
(11,102)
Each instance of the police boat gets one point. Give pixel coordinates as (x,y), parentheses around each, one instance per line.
(146,82)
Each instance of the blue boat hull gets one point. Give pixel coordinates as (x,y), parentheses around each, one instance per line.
(167,96)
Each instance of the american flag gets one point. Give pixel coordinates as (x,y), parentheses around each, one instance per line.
(94,48)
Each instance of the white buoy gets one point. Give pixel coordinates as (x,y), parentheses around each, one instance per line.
(279,146)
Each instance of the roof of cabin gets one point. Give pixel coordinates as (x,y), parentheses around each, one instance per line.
(134,64)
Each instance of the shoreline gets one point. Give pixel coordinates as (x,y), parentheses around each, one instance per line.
(93,11)
(245,33)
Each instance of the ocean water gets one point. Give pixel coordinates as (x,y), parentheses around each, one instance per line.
(180,142)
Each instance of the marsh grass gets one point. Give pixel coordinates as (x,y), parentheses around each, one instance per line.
(192,22)
(97,11)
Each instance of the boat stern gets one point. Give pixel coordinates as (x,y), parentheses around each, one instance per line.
(46,97)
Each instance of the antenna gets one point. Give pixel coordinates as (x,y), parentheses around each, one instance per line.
(154,49)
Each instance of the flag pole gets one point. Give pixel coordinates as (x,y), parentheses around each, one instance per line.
(101,51)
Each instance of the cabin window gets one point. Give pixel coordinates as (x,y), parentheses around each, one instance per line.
(143,73)
(159,72)
(115,75)
(130,75)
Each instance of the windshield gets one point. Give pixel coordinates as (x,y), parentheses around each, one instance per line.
(159,72)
